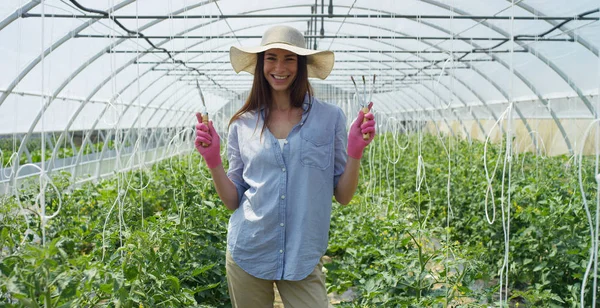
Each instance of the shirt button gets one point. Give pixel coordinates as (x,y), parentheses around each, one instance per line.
(282,196)
(283,169)
(281,224)
(281,251)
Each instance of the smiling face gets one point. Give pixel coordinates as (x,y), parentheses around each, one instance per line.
(280,69)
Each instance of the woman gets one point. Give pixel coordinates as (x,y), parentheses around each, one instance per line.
(288,155)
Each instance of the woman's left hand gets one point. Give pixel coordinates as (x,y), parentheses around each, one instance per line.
(356,142)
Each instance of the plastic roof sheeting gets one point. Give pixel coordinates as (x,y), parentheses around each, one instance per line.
(433,59)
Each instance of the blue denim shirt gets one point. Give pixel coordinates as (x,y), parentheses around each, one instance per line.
(281,228)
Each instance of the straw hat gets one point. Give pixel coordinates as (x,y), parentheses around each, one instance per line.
(320,63)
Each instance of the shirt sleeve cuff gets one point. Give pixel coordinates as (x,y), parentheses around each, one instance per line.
(241,189)
(336,179)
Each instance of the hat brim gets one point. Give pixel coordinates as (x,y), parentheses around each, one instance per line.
(319,62)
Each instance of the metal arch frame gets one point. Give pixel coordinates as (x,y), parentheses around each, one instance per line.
(134,80)
(349,94)
(50,49)
(405,110)
(495,85)
(82,105)
(559,125)
(123,90)
(14,16)
(165,115)
(37,61)
(424,110)
(412,106)
(430,90)
(387,103)
(86,138)
(351,22)
(161,43)
(183,118)
(528,84)
(428,112)
(134,59)
(459,80)
(438,110)
(83,66)
(543,59)
(189,90)
(106,107)
(187,30)
(455,78)
(127,108)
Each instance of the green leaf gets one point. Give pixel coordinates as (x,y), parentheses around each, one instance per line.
(209,203)
(130,272)
(203,269)
(539,267)
(557,298)
(206,287)
(70,290)
(27,302)
(175,286)
(106,288)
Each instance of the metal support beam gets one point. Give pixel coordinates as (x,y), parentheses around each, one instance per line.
(336,51)
(342,16)
(336,61)
(363,37)
(337,69)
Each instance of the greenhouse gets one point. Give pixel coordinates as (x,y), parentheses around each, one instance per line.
(480,188)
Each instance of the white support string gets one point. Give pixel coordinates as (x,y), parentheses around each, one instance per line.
(42,195)
(504,270)
(593,232)
(141,156)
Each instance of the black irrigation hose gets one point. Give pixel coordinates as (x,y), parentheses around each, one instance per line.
(141,35)
(516,37)
(561,24)
(475,50)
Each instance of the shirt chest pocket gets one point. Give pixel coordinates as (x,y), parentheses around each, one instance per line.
(316,149)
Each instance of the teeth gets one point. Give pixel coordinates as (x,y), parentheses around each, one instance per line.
(279,77)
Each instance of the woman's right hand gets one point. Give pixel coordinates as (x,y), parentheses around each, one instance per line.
(208,143)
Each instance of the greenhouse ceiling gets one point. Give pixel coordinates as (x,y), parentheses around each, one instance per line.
(95,65)
(458,190)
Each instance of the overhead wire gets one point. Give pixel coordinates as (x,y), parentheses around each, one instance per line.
(141,35)
(341,24)
(227,22)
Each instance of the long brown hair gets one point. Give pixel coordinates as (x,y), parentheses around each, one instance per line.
(260,94)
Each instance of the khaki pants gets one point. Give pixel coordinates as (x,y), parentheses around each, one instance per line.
(247,291)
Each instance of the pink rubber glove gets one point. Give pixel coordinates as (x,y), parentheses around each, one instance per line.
(356,143)
(208,135)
